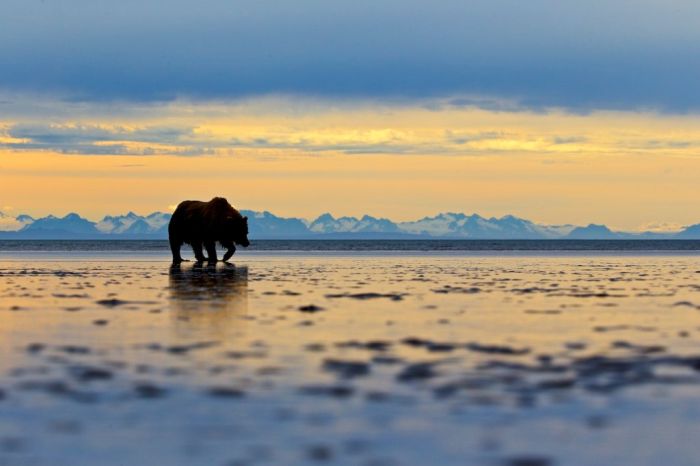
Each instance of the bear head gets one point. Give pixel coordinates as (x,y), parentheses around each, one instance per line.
(237,230)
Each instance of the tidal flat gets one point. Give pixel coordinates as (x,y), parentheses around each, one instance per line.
(369,360)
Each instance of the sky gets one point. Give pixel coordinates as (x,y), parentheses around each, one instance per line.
(556,111)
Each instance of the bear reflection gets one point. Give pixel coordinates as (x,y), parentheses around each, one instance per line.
(208,298)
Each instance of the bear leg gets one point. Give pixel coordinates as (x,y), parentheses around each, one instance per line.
(175,248)
(229,253)
(211,251)
(230,249)
(197,249)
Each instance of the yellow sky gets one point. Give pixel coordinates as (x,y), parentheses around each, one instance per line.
(628,170)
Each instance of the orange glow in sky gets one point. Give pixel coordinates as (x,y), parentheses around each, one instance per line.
(628,170)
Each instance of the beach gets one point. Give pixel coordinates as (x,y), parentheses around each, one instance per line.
(358,359)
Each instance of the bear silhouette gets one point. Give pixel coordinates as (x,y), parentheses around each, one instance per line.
(203,224)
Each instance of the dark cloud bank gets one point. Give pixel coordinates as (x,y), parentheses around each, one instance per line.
(582,56)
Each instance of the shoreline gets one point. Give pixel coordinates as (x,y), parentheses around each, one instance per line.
(157,256)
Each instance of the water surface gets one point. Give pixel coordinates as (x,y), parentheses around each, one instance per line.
(371,360)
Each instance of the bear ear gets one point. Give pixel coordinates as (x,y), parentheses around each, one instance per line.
(245,218)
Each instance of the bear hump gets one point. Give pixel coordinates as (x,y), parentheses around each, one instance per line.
(219,207)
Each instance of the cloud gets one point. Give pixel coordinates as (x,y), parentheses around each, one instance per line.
(662,227)
(102,139)
(343,144)
(468,137)
(92,139)
(581,56)
(9,223)
(569,139)
(282,127)
(669,144)
(78,134)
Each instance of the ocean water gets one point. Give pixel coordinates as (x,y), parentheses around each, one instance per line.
(160,247)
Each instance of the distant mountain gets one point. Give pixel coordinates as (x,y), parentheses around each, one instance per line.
(133,224)
(158,220)
(70,226)
(327,224)
(592,231)
(73,226)
(456,225)
(116,224)
(691,232)
(265,225)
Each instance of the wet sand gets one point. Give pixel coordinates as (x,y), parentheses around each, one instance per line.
(514,361)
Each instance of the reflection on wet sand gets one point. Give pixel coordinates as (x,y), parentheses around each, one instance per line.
(489,361)
(208,298)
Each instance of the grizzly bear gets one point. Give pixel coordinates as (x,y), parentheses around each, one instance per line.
(200,224)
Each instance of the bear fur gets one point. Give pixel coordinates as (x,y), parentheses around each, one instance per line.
(203,224)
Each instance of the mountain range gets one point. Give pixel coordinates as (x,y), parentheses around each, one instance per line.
(265,225)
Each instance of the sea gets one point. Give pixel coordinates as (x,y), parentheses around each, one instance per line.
(158,248)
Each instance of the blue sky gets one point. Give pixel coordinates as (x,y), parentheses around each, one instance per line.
(581,56)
